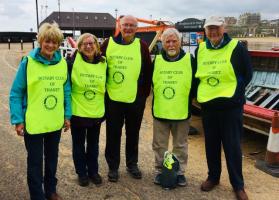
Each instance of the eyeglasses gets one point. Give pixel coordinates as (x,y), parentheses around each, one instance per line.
(129,25)
(88,43)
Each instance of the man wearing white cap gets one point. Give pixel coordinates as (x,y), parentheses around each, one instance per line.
(223,70)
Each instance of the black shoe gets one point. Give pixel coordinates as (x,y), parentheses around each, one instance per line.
(113,175)
(181,180)
(83,181)
(96,179)
(135,172)
(157,179)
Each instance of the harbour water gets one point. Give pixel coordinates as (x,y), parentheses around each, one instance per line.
(262,45)
(253,44)
(266,43)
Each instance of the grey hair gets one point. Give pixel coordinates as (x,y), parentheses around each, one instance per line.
(170,31)
(128,16)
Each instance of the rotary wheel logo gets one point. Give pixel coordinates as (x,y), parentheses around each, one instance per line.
(118,77)
(168,93)
(89,94)
(212,81)
(50,102)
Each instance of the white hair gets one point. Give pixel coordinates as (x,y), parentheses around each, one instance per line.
(128,17)
(171,31)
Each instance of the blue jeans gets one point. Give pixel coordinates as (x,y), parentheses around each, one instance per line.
(37,146)
(86,158)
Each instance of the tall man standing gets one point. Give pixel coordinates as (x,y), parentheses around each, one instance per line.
(223,69)
(128,85)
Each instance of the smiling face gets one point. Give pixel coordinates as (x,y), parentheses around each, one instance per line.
(49,38)
(48,48)
(88,47)
(214,34)
(171,45)
(128,27)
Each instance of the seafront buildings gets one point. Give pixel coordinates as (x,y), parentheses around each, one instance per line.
(251,25)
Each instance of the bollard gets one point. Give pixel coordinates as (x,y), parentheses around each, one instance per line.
(271,163)
(21,44)
(9,43)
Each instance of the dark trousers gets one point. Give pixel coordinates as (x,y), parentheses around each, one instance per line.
(117,114)
(38,146)
(86,158)
(224,127)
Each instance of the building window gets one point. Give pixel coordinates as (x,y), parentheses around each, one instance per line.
(77,17)
(68,17)
(95,17)
(86,17)
(105,18)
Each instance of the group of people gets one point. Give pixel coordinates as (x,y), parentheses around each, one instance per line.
(112,83)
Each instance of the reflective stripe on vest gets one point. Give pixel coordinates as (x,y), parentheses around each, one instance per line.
(215,71)
(88,88)
(45,96)
(171,87)
(124,64)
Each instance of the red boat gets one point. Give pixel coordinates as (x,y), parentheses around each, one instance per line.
(262,93)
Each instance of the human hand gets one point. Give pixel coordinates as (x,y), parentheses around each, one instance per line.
(19,128)
(67,125)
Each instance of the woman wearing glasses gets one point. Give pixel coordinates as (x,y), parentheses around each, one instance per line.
(87,70)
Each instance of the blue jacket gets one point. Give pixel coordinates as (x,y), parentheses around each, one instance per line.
(18,93)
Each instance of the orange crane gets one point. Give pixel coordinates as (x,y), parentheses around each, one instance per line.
(157,26)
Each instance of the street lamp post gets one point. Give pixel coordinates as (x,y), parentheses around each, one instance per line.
(42,8)
(59,12)
(116,13)
(73,23)
(37,15)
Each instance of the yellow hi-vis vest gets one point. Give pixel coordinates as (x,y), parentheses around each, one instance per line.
(88,88)
(215,71)
(171,87)
(45,96)
(124,65)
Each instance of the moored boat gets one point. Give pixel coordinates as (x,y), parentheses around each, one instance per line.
(262,93)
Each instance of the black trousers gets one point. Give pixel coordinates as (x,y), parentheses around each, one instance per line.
(39,146)
(224,127)
(86,157)
(118,113)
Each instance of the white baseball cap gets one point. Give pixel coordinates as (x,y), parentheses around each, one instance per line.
(214,21)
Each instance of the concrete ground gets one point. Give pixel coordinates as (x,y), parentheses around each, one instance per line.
(13,184)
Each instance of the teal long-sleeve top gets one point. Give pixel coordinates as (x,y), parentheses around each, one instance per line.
(18,93)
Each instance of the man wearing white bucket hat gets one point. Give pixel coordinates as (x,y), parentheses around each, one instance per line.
(223,71)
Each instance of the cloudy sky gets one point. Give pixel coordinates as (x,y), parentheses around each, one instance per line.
(20,15)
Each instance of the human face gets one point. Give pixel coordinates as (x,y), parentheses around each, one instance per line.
(128,27)
(48,48)
(88,47)
(215,34)
(171,45)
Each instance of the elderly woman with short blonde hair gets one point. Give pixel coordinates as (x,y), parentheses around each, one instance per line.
(40,107)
